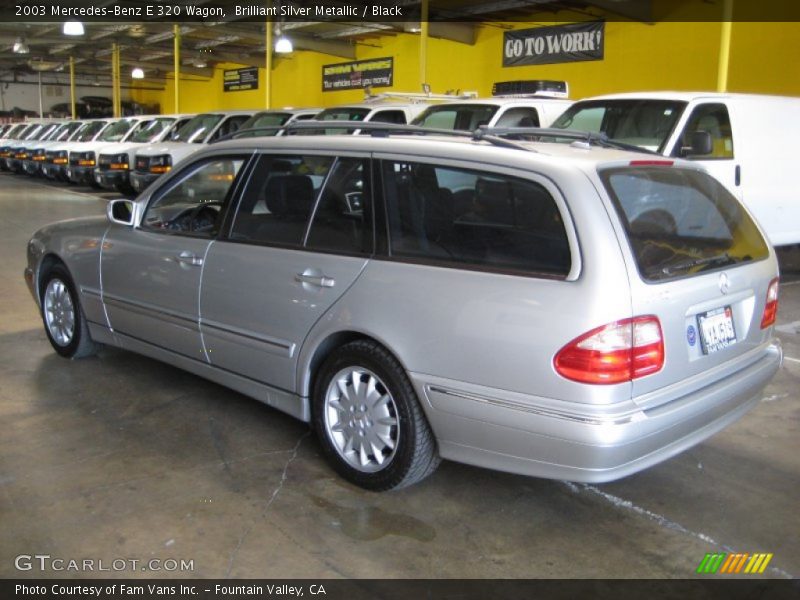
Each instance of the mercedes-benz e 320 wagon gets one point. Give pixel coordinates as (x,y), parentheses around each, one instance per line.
(559,310)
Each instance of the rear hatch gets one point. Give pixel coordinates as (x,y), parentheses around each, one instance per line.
(701,265)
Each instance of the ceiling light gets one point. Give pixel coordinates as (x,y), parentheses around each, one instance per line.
(137,73)
(283,45)
(20,47)
(200,63)
(73,28)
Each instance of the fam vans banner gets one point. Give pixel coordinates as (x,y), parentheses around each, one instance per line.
(376,72)
(557,44)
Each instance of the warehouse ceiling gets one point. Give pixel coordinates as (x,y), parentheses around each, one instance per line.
(149,43)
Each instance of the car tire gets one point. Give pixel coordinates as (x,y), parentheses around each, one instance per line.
(62,314)
(369,421)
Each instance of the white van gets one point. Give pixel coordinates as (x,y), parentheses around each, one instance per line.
(749,150)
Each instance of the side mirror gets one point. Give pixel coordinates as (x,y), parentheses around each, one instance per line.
(701,144)
(121,212)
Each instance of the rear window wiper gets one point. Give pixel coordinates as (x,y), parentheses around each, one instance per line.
(723,258)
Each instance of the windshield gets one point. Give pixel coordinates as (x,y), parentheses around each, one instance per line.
(466,117)
(47,131)
(33,133)
(56,132)
(150,131)
(91,129)
(681,221)
(197,129)
(116,131)
(16,131)
(644,123)
(265,119)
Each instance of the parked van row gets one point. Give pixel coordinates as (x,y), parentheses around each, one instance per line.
(742,140)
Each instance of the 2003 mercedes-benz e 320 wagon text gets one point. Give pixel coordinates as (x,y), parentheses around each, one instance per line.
(553,309)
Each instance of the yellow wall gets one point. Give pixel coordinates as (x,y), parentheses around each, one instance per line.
(674,55)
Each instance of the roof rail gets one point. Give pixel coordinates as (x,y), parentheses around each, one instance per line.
(379,130)
(598,139)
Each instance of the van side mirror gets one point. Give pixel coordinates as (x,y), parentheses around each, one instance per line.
(700,145)
(120,212)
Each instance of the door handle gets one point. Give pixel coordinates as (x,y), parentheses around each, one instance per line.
(317,280)
(187,258)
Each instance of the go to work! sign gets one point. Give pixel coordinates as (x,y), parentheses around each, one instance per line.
(557,44)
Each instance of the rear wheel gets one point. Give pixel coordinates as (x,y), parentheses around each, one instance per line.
(369,420)
(63,317)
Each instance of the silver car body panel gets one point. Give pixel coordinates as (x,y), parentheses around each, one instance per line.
(477,345)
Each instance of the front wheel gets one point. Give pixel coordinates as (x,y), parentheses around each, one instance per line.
(63,317)
(369,420)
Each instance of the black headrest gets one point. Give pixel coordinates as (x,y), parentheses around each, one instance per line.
(494,198)
(289,195)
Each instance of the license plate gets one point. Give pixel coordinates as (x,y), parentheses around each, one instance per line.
(716,329)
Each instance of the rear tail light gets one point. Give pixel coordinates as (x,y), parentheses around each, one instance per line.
(771,306)
(620,351)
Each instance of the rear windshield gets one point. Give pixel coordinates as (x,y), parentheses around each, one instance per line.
(466,117)
(644,123)
(681,221)
(197,129)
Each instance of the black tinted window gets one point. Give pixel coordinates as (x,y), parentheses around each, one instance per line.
(474,218)
(280,198)
(681,221)
(343,218)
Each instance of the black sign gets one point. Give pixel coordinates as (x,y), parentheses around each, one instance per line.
(377,72)
(557,44)
(236,80)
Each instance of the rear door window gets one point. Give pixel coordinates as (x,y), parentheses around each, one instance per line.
(318,202)
(280,197)
(680,222)
(470,218)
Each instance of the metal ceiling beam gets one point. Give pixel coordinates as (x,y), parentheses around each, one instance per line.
(332,47)
(464,33)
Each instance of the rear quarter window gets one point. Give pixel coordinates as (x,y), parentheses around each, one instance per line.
(473,219)
(681,222)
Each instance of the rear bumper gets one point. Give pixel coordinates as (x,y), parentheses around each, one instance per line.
(593,444)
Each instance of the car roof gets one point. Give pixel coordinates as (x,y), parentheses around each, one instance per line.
(457,147)
(669,95)
(228,113)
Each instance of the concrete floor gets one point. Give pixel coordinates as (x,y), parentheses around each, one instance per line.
(122,457)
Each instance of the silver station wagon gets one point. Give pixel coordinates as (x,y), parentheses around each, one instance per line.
(561,310)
